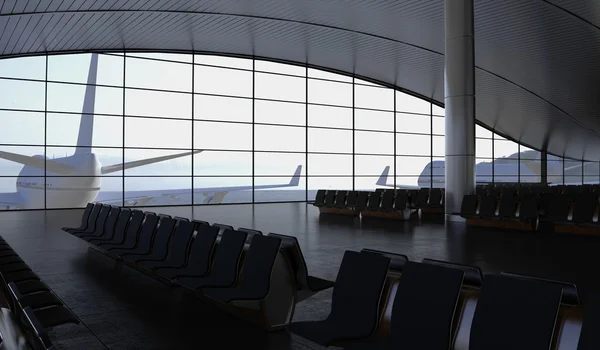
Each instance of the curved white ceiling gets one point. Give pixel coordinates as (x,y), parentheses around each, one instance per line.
(538,67)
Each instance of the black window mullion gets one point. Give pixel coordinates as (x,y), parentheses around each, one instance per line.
(45,132)
(253,125)
(123,116)
(193,122)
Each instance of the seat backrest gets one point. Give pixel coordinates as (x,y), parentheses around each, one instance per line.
(514,313)
(558,209)
(469,205)
(320,197)
(508,206)
(222,227)
(180,218)
(330,197)
(340,199)
(37,328)
(259,262)
(570,295)
(529,208)
(198,223)
(160,241)
(91,225)
(357,293)
(201,250)
(362,200)
(251,233)
(180,240)
(122,222)
(85,217)
(589,338)
(144,241)
(111,220)
(101,220)
(136,225)
(227,257)
(351,199)
(424,307)
(487,207)
(387,200)
(397,261)
(292,250)
(421,198)
(375,200)
(401,200)
(435,197)
(584,208)
(472,274)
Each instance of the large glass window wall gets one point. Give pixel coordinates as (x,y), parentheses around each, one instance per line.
(144,129)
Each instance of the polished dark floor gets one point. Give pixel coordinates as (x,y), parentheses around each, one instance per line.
(123,309)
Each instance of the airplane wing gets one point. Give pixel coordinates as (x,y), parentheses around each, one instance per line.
(146,195)
(10,200)
(137,163)
(38,162)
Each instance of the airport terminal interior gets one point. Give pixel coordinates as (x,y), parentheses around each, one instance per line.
(279,174)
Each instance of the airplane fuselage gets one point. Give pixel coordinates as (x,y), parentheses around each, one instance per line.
(73,190)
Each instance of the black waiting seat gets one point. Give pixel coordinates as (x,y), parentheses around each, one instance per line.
(529,208)
(134,237)
(472,274)
(435,198)
(32,286)
(355,301)
(256,272)
(387,201)
(330,198)
(19,276)
(91,226)
(251,233)
(33,300)
(42,340)
(222,227)
(85,218)
(14,267)
(375,201)
(226,264)
(558,209)
(126,229)
(340,199)
(419,199)
(198,223)
(178,247)
(514,313)
(200,255)
(584,208)
(544,203)
(117,230)
(108,223)
(570,295)
(589,338)
(361,200)
(100,223)
(401,200)
(154,248)
(468,207)
(47,308)
(55,316)
(10,259)
(351,199)
(320,198)
(423,309)
(487,207)
(507,209)
(303,280)
(397,261)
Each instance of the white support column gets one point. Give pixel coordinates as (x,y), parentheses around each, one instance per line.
(459,87)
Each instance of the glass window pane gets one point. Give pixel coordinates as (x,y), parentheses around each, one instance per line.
(439,111)
(413,166)
(413,123)
(330,93)
(320,74)
(439,126)
(296,193)
(482,132)
(158,133)
(413,145)
(439,146)
(278,164)
(373,120)
(271,112)
(222,81)
(591,173)
(70,98)
(329,140)
(280,87)
(162,56)
(366,183)
(158,104)
(528,153)
(179,164)
(111,191)
(330,164)
(505,148)
(411,104)
(169,191)
(9,168)
(63,129)
(222,136)
(374,142)
(506,170)
(483,148)
(71,192)
(483,170)
(34,198)
(24,67)
(27,95)
(222,108)
(76,68)
(224,61)
(22,127)
(328,182)
(223,163)
(279,138)
(573,180)
(373,97)
(105,157)
(412,181)
(217,190)
(555,171)
(334,117)
(373,165)
(160,75)
(282,68)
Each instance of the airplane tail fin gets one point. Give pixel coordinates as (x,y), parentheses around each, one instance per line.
(295,181)
(86,125)
(382,181)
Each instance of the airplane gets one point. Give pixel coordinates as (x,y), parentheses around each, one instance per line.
(70,185)
(506,170)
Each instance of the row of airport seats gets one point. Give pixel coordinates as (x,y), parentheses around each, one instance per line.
(259,277)
(32,306)
(574,213)
(523,189)
(384,301)
(390,203)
